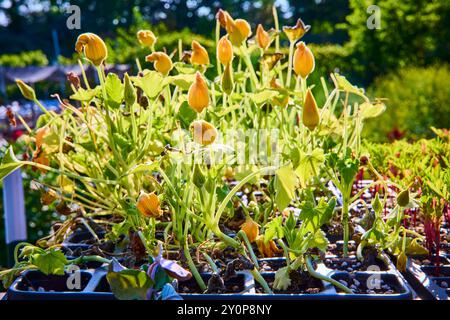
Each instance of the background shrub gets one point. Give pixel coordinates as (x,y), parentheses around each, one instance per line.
(417,99)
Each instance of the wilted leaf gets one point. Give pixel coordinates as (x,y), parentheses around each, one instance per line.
(50,263)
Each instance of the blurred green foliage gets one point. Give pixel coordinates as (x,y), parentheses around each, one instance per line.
(23,59)
(417,99)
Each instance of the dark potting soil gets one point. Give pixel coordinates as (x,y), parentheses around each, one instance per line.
(215,285)
(302,283)
(369,284)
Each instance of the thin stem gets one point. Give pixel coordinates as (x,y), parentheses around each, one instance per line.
(319,276)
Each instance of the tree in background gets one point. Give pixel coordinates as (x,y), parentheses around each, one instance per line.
(413,33)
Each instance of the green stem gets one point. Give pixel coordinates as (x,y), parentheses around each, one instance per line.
(193,268)
(319,276)
(259,278)
(249,248)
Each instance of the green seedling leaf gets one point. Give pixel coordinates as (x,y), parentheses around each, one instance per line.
(285,185)
(50,263)
(344,85)
(263,96)
(151,83)
(9,164)
(309,165)
(183,81)
(84,95)
(129,284)
(274,229)
(369,110)
(115,90)
(186,115)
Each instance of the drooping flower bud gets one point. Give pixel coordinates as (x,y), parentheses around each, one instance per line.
(198,95)
(199,54)
(74,80)
(129,92)
(238,30)
(162,62)
(267,249)
(311,116)
(199,178)
(304,62)
(296,32)
(146,38)
(402,261)
(251,229)
(262,37)
(27,91)
(225,52)
(204,133)
(93,47)
(149,205)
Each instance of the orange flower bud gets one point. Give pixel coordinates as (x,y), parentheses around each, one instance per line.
(149,205)
(93,47)
(204,133)
(262,37)
(296,32)
(146,38)
(251,229)
(267,249)
(199,54)
(162,61)
(304,62)
(311,116)
(222,16)
(41,133)
(198,97)
(225,51)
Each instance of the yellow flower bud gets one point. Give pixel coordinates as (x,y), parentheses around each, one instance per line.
(27,91)
(262,37)
(146,38)
(199,54)
(204,133)
(222,16)
(311,116)
(149,205)
(238,30)
(225,52)
(296,32)
(93,47)
(198,97)
(251,229)
(162,62)
(304,62)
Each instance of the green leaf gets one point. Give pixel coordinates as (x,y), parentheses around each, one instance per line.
(147,167)
(345,85)
(309,165)
(285,185)
(84,95)
(129,284)
(115,90)
(151,83)
(274,229)
(263,96)
(50,263)
(369,110)
(9,164)
(186,115)
(319,241)
(184,81)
